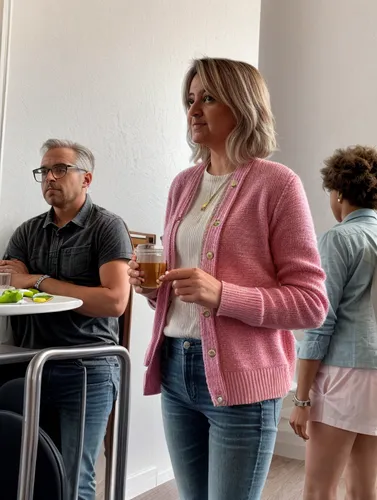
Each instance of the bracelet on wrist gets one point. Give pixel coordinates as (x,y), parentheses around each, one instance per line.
(39,281)
(300,403)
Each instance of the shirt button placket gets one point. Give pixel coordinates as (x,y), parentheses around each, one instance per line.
(54,253)
(59,241)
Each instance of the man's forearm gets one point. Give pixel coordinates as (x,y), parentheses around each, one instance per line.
(97,301)
(307,371)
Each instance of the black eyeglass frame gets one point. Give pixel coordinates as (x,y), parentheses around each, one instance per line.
(46,170)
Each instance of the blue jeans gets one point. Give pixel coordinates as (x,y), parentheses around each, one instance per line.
(61,390)
(218,453)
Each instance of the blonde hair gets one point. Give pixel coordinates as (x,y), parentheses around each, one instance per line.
(241,87)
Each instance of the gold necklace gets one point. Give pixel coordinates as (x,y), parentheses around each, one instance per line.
(205,205)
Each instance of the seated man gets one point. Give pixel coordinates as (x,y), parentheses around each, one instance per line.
(77,249)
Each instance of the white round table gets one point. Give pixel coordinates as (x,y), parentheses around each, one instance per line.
(14,354)
(57,304)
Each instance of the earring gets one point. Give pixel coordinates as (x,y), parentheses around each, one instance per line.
(340,198)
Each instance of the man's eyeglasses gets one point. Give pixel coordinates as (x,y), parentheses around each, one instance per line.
(58,171)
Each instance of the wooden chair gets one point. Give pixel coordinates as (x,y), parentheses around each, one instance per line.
(142,238)
(137,238)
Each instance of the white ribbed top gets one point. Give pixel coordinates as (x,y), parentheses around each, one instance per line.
(183,318)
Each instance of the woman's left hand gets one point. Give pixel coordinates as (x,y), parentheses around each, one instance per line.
(195,286)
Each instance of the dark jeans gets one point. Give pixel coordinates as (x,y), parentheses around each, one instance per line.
(62,393)
(218,453)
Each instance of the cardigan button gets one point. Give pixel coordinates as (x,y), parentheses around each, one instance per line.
(234,184)
(217,223)
(220,400)
(210,255)
(212,353)
(207,314)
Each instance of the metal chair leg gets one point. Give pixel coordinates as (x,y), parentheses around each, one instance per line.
(75,490)
(32,399)
(108,451)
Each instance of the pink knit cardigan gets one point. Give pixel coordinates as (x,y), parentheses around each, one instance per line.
(261,245)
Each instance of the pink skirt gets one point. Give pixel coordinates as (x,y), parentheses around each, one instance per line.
(345,398)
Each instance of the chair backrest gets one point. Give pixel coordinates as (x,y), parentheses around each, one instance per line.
(137,238)
(140,238)
(50,476)
(125,324)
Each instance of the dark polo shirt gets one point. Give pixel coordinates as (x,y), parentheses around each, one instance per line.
(73,253)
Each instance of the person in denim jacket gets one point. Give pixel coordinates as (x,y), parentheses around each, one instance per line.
(335,407)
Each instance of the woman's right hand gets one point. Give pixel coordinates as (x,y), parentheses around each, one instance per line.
(299,421)
(136,278)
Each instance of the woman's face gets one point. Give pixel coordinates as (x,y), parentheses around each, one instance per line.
(335,205)
(210,121)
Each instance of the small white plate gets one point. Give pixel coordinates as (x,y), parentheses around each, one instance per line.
(57,304)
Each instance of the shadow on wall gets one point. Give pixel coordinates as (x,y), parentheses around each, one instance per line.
(7,229)
(6,336)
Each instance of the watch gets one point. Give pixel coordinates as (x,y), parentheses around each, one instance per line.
(39,281)
(301,404)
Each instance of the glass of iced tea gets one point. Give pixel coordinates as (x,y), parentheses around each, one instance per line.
(151,260)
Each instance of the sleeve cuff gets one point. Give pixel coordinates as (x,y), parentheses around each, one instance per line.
(111,258)
(312,350)
(244,304)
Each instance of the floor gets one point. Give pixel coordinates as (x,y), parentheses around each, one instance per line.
(285,482)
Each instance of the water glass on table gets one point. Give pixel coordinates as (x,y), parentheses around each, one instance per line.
(5,280)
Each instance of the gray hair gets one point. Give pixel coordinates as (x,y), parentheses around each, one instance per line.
(84,157)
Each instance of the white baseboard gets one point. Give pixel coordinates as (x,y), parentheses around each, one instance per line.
(289,446)
(141,482)
(165,476)
(146,480)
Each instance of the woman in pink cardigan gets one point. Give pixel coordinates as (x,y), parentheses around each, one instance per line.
(243,271)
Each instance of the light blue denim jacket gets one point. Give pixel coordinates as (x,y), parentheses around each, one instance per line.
(348,337)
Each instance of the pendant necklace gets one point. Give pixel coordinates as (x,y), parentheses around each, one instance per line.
(205,205)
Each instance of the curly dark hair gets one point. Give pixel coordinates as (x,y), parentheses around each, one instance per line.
(353,173)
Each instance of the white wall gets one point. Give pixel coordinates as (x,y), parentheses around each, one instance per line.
(319,59)
(108,74)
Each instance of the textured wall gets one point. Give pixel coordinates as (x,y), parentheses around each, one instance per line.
(108,74)
(320,62)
